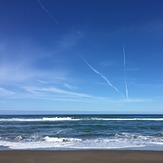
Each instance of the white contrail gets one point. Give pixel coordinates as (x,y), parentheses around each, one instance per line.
(47,11)
(124,69)
(102,76)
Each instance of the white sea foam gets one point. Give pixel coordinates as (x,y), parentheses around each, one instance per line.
(128,119)
(55,143)
(37,119)
(58,119)
(77,119)
(157,143)
(123,140)
(96,144)
(55,139)
(19,119)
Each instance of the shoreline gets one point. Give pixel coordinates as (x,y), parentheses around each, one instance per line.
(75,156)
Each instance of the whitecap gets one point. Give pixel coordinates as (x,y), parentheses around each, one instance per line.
(55,139)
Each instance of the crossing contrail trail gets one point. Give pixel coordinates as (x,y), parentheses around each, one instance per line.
(47,11)
(102,76)
(124,69)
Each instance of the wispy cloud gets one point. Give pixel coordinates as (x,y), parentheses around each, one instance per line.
(57,94)
(45,92)
(124,69)
(70,39)
(134,100)
(153,28)
(102,76)
(11,73)
(56,91)
(6,92)
(48,12)
(71,87)
(21,61)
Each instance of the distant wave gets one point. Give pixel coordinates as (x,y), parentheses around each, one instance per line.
(77,119)
(58,119)
(129,119)
(37,119)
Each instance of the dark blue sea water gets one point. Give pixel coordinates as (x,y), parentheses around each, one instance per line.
(60,132)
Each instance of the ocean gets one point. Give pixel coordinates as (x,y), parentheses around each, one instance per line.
(81,132)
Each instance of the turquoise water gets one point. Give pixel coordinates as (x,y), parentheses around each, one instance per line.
(60,132)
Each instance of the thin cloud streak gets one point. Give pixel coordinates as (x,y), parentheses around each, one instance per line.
(57,94)
(5,92)
(71,87)
(134,100)
(34,90)
(102,76)
(124,68)
(47,11)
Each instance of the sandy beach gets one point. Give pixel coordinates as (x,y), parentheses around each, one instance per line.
(81,156)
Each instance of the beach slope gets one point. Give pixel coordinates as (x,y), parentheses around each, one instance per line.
(95,156)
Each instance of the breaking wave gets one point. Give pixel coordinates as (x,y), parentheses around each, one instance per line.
(76,119)
(36,119)
(124,140)
(55,139)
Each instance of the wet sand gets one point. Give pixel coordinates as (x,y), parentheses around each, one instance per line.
(95,156)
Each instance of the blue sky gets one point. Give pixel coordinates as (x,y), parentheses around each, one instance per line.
(72,56)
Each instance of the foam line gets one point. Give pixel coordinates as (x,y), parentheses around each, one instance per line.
(44,119)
